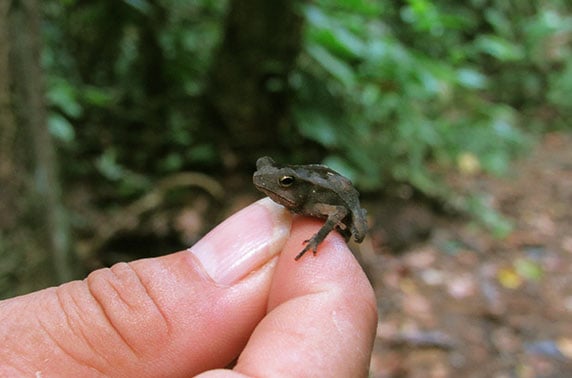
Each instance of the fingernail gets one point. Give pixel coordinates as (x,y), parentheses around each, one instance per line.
(244,242)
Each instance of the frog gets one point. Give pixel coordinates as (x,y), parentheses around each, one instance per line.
(314,190)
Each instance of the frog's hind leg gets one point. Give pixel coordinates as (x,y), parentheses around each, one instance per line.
(335,219)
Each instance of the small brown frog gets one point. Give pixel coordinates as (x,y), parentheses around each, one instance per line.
(317,191)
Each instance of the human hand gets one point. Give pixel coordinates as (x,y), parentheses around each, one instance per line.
(230,295)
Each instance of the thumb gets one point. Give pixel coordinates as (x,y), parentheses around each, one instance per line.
(174,315)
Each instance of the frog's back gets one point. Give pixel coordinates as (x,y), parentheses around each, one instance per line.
(346,195)
(325,177)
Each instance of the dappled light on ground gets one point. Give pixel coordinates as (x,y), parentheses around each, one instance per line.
(466,304)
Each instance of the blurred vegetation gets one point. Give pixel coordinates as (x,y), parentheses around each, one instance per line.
(431,81)
(385,92)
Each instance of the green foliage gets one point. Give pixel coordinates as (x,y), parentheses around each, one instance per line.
(123,77)
(391,90)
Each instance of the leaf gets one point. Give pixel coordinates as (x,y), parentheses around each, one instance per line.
(341,166)
(108,165)
(341,42)
(471,79)
(97,96)
(528,269)
(365,7)
(316,126)
(509,278)
(336,67)
(468,164)
(499,48)
(60,128)
(62,94)
(499,225)
(142,6)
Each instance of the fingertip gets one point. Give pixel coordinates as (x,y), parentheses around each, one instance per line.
(333,265)
(302,230)
(333,268)
(321,316)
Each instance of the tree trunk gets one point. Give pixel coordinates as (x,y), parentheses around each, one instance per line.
(7,123)
(248,92)
(37,228)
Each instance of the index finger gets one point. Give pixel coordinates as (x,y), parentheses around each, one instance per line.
(321,317)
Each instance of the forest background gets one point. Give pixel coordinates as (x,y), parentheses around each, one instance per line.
(129,128)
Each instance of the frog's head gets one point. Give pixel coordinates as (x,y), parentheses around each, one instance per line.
(278,182)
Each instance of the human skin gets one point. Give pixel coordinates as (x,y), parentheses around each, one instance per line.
(236,295)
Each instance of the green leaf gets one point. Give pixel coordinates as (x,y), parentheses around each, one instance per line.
(528,269)
(499,48)
(108,165)
(60,128)
(316,126)
(470,78)
(336,67)
(97,96)
(365,7)
(345,43)
(62,94)
(499,225)
(341,166)
(142,6)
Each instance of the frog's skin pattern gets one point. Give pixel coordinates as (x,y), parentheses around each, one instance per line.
(314,190)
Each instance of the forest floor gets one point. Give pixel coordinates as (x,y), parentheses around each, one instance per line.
(462,303)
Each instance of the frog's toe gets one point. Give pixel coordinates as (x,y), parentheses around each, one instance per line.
(311,244)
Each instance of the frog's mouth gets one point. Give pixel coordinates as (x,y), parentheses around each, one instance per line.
(289,203)
(260,184)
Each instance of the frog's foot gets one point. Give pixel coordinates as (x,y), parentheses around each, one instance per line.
(311,244)
(319,237)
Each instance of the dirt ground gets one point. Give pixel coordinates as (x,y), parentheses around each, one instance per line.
(463,303)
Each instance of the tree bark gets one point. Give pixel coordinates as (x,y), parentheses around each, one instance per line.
(29,165)
(248,92)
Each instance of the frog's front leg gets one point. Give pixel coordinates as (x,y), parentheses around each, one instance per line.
(335,217)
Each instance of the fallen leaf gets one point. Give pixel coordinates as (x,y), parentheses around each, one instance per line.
(508,278)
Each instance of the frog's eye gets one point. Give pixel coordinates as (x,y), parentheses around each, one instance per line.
(286,181)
